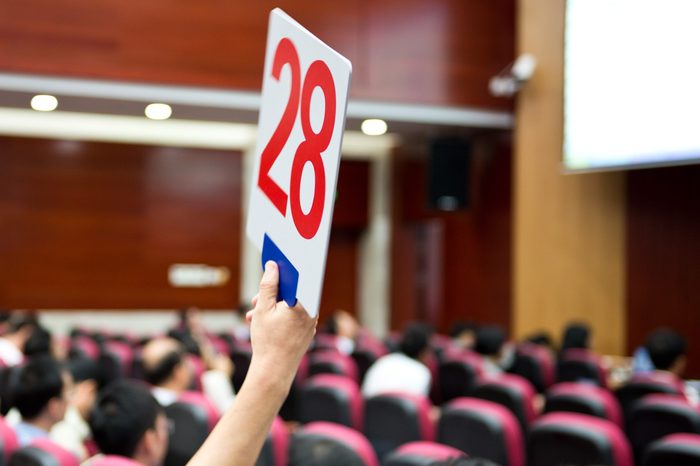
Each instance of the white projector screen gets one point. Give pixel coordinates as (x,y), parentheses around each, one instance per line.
(631,83)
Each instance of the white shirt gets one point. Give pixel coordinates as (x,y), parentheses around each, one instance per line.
(397,372)
(9,353)
(215,385)
(71,433)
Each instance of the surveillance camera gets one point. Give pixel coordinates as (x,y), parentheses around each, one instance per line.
(509,81)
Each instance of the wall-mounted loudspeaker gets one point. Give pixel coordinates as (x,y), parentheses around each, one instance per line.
(449,167)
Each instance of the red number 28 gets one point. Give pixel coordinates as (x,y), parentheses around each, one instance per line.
(309,150)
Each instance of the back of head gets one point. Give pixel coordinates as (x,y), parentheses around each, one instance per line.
(665,347)
(490,340)
(415,340)
(39,381)
(124,411)
(39,342)
(160,359)
(83,368)
(313,451)
(576,335)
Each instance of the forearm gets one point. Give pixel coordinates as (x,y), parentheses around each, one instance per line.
(238,437)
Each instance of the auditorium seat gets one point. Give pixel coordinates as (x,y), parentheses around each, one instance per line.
(83,345)
(536,364)
(367,350)
(581,365)
(483,429)
(333,362)
(43,452)
(421,454)
(513,392)
(644,384)
(585,399)
(459,373)
(392,419)
(674,450)
(331,398)
(274,450)
(198,369)
(655,416)
(8,441)
(314,438)
(193,417)
(574,439)
(324,342)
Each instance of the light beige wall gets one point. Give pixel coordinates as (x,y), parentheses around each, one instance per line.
(569,229)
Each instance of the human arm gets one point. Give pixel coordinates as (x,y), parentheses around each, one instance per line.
(280,336)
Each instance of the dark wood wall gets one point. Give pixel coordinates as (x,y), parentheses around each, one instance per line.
(439,51)
(451,266)
(95,225)
(663,255)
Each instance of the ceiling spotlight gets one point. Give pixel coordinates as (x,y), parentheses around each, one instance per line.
(374,127)
(158,111)
(44,103)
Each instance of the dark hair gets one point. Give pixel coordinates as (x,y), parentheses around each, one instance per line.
(415,340)
(540,338)
(164,368)
(331,324)
(460,327)
(464,461)
(83,368)
(124,411)
(490,340)
(313,450)
(184,336)
(39,342)
(665,346)
(19,320)
(40,380)
(576,335)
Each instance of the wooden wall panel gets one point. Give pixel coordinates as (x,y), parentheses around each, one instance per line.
(569,229)
(663,256)
(440,52)
(451,266)
(95,225)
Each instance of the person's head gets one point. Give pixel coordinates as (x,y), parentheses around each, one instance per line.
(321,452)
(20,327)
(86,376)
(164,364)
(342,324)
(490,340)
(577,335)
(667,350)
(191,318)
(415,341)
(42,391)
(541,338)
(39,342)
(127,421)
(464,334)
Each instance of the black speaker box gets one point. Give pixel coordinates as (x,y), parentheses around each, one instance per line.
(449,167)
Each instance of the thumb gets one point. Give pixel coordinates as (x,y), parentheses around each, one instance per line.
(269,283)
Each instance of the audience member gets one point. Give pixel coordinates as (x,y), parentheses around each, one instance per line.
(541,338)
(19,329)
(404,370)
(39,342)
(280,336)
(40,397)
(463,334)
(167,369)
(667,352)
(128,422)
(490,343)
(577,335)
(73,431)
(345,328)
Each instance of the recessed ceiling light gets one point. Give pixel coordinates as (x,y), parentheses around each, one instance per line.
(158,111)
(44,103)
(374,127)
